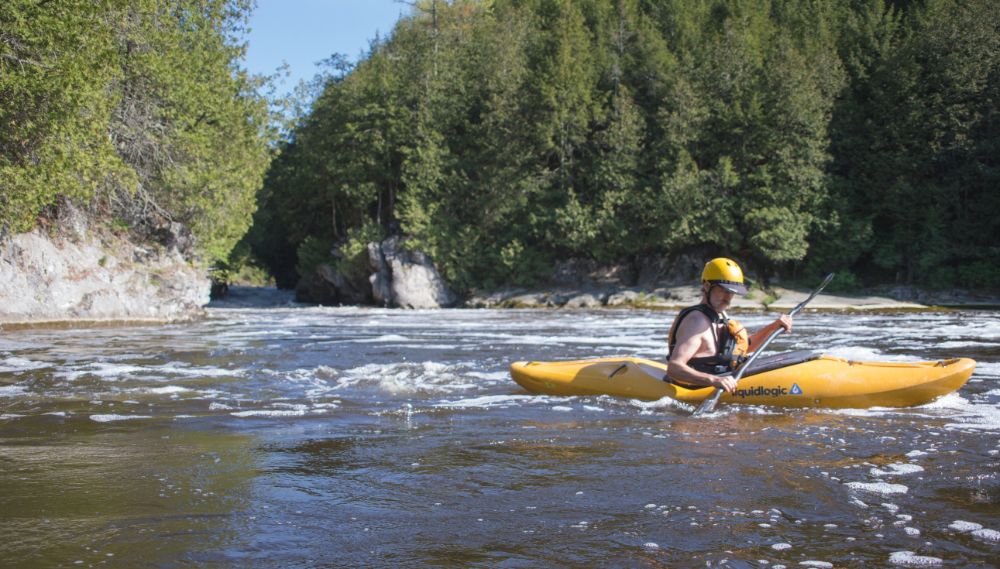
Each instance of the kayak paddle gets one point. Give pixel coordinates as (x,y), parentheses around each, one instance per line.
(708,405)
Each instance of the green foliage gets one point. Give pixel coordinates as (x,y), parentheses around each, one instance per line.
(242,267)
(800,136)
(844,281)
(135,108)
(352,260)
(312,253)
(56,64)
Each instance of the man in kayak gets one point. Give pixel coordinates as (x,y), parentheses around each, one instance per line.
(706,346)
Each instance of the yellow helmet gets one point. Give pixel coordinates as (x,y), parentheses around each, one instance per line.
(725,273)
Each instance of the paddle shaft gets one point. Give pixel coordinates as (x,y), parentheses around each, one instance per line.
(708,405)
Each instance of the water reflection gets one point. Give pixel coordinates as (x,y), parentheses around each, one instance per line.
(90,493)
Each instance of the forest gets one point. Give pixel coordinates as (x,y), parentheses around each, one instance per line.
(799,136)
(499,136)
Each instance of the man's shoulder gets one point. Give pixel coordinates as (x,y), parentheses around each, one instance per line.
(694,319)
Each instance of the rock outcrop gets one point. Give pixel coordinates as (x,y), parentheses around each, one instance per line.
(404,278)
(82,275)
(394,276)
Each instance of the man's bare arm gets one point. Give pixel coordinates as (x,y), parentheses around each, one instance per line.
(758,337)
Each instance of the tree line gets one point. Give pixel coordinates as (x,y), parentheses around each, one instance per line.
(137,110)
(800,136)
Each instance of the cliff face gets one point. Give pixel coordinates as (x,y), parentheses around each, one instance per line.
(82,275)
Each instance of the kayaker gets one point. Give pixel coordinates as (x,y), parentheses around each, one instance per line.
(705,345)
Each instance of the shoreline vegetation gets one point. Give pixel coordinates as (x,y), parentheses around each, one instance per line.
(666,299)
(798,138)
(481,143)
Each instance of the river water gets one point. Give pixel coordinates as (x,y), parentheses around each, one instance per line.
(297,436)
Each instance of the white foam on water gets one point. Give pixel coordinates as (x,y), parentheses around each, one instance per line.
(911,559)
(13,390)
(987,534)
(988,369)
(977,417)
(855,412)
(648,342)
(102,370)
(407,377)
(219,407)
(650,407)
(952,400)
(562,408)
(950,345)
(270,413)
(382,339)
(781,546)
(110,417)
(496,376)
(15,364)
(168,390)
(8,416)
(593,408)
(488,401)
(817,564)
(856,353)
(313,382)
(109,371)
(184,369)
(896,469)
(881,488)
(8,344)
(964,526)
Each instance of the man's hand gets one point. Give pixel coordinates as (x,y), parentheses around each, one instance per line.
(784,321)
(725,382)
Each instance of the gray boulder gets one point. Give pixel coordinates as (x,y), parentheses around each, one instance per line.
(585,300)
(381,277)
(404,278)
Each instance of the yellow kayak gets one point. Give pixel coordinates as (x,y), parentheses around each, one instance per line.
(795,379)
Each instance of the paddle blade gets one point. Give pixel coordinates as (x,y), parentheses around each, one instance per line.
(708,405)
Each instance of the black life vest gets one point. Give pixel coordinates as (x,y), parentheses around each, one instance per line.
(731,342)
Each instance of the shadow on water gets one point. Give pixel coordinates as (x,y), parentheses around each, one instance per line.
(96,494)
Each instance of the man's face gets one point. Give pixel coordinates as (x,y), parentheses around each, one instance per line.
(719,298)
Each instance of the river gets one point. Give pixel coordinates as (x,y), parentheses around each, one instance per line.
(292,436)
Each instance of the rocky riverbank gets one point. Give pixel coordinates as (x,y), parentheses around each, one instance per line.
(776,299)
(81,275)
(397,277)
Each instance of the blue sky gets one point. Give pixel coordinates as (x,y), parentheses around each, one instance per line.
(303,32)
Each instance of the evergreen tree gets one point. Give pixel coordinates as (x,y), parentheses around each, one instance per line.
(137,109)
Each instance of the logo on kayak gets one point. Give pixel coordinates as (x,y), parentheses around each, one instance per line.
(776,391)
